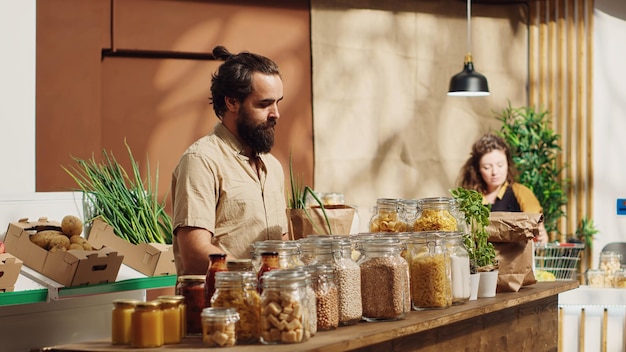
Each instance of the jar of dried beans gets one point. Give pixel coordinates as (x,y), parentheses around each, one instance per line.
(384,278)
(348,281)
(326,297)
(237,289)
(283,303)
(436,214)
(429,265)
(386,218)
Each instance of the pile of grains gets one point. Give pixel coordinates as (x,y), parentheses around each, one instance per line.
(348,280)
(327,308)
(383,288)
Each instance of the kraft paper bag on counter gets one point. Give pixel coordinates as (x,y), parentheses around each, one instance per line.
(512,236)
(302,225)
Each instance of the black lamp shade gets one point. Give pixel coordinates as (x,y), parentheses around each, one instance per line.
(468,83)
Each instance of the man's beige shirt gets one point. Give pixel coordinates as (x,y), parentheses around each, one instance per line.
(214,187)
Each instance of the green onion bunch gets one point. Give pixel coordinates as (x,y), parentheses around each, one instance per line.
(126,202)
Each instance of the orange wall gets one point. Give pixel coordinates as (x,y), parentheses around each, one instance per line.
(87,102)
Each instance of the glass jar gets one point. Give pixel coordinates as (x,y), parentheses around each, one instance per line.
(239,265)
(269,262)
(596,278)
(459,266)
(610,262)
(386,217)
(283,308)
(147,325)
(620,279)
(182,309)
(384,279)
(121,320)
(407,210)
(288,253)
(172,328)
(430,271)
(348,281)
(218,326)
(436,214)
(192,288)
(217,263)
(237,289)
(319,250)
(326,297)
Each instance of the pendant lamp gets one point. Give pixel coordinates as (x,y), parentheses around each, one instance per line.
(468,83)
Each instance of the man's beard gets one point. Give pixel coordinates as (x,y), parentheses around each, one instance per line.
(258,137)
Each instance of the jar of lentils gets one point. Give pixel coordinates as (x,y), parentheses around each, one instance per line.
(348,281)
(384,278)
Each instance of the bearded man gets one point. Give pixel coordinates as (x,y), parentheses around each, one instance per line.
(227,189)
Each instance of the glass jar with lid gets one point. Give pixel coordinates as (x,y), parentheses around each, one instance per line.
(596,278)
(237,289)
(386,217)
(316,250)
(283,307)
(459,266)
(311,306)
(239,265)
(407,209)
(436,214)
(121,320)
(192,288)
(429,265)
(182,310)
(147,325)
(288,253)
(172,327)
(384,280)
(217,263)
(620,279)
(218,326)
(609,262)
(326,297)
(348,281)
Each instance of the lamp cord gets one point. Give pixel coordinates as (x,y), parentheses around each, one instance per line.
(469,26)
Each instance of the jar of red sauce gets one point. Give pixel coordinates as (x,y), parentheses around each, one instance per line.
(192,288)
(217,263)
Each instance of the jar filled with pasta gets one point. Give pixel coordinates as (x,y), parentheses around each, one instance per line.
(237,289)
(386,217)
(348,281)
(283,313)
(429,266)
(610,262)
(288,253)
(436,214)
(384,280)
(459,266)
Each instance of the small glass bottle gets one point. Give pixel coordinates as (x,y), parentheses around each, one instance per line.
(121,320)
(217,263)
(192,288)
(269,261)
(172,328)
(386,217)
(429,267)
(436,214)
(147,325)
(348,281)
(237,289)
(218,326)
(326,297)
(384,280)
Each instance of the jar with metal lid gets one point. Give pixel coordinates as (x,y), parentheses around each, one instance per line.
(283,308)
(348,281)
(237,289)
(436,214)
(459,266)
(121,320)
(219,326)
(407,210)
(147,325)
(386,217)
(326,297)
(430,271)
(288,253)
(192,288)
(182,310)
(172,328)
(384,280)
(217,263)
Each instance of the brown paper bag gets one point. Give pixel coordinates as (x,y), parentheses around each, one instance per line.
(339,216)
(512,236)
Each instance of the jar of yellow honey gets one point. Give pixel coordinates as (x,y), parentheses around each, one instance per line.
(172,327)
(121,320)
(181,307)
(147,325)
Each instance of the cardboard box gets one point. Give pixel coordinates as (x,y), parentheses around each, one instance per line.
(71,268)
(10,267)
(150,259)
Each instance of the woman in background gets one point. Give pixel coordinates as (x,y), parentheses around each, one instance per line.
(490,170)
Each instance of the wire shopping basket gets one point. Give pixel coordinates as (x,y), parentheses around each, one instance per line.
(559,259)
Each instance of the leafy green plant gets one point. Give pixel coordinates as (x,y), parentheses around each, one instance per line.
(481,252)
(586,232)
(126,202)
(534,149)
(298,199)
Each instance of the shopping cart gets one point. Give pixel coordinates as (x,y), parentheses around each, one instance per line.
(559,259)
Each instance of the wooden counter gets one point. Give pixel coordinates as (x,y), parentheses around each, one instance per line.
(514,321)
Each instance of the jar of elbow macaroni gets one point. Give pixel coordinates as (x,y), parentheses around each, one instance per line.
(436,214)
(237,290)
(386,218)
(218,326)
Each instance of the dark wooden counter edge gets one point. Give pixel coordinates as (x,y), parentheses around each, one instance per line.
(366,334)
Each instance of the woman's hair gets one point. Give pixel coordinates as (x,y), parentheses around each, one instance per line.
(470,177)
(233,78)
